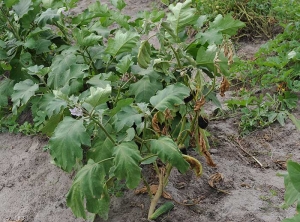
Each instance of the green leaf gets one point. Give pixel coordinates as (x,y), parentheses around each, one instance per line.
(226,25)
(23,91)
(127,157)
(183,15)
(85,38)
(102,148)
(291,195)
(23,7)
(144,89)
(127,117)
(51,124)
(40,45)
(123,42)
(98,95)
(47,17)
(295,120)
(212,36)
(65,144)
(170,97)
(6,89)
(144,54)
(296,218)
(88,184)
(10,3)
(205,58)
(294,174)
(63,69)
(119,4)
(168,152)
(124,64)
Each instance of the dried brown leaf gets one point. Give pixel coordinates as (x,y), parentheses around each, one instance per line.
(199,104)
(203,149)
(153,190)
(224,86)
(215,178)
(155,124)
(168,114)
(194,164)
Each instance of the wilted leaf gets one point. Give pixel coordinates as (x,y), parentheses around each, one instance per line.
(127,117)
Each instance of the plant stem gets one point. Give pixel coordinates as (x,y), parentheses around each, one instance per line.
(157,195)
(104,130)
(168,171)
(91,61)
(177,58)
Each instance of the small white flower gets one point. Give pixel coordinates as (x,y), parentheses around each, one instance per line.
(76,111)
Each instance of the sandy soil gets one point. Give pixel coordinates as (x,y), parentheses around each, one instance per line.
(32,189)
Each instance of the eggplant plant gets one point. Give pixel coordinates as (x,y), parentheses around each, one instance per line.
(114,93)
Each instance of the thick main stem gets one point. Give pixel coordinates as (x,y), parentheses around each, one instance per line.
(157,195)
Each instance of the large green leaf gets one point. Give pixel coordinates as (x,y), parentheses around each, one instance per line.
(47,17)
(127,157)
(144,58)
(102,148)
(127,117)
(63,69)
(144,89)
(291,195)
(98,95)
(183,15)
(170,97)
(23,91)
(10,3)
(6,89)
(168,152)
(205,58)
(294,174)
(124,64)
(40,45)
(89,184)
(65,144)
(85,37)
(226,25)
(23,7)
(123,42)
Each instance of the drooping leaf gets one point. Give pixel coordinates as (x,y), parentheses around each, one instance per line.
(23,91)
(144,54)
(127,157)
(183,15)
(168,152)
(124,64)
(294,174)
(170,97)
(226,25)
(65,144)
(123,42)
(127,117)
(98,95)
(88,184)
(144,89)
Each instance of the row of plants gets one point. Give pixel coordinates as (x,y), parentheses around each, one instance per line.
(108,100)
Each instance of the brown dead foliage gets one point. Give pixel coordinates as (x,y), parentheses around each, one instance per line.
(153,190)
(214,179)
(203,149)
(199,104)
(194,164)
(224,86)
(155,125)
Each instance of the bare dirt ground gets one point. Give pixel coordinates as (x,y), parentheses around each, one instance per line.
(33,190)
